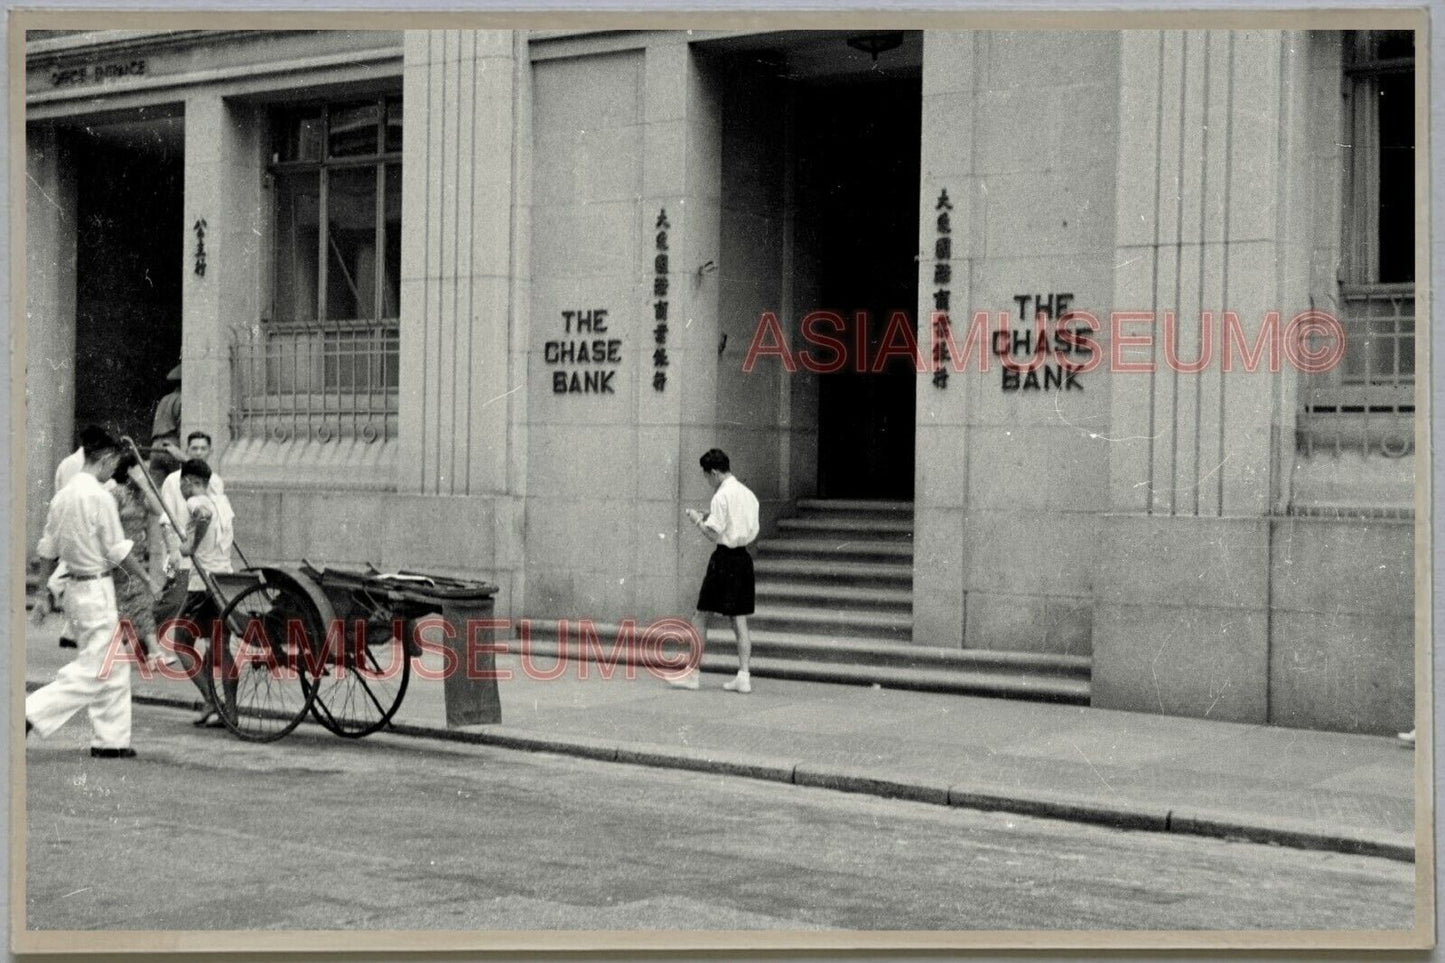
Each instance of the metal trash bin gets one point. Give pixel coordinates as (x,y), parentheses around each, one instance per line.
(470,689)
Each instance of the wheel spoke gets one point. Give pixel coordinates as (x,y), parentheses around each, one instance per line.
(264,691)
(361,696)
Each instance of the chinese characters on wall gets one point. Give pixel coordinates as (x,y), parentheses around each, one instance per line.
(659,307)
(942,275)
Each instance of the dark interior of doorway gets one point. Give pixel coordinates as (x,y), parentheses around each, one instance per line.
(857,176)
(128,274)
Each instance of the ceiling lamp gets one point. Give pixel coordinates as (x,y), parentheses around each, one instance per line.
(877,42)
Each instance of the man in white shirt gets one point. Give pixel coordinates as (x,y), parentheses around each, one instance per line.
(728,587)
(71,464)
(83,530)
(198,446)
(68,468)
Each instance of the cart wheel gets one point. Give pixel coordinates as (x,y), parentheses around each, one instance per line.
(361,687)
(261,680)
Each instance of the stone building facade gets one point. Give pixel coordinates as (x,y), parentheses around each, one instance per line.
(475,301)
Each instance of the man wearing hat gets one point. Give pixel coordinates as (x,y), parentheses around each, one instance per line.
(166,455)
(83,530)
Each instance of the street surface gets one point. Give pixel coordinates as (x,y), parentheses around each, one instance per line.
(314,832)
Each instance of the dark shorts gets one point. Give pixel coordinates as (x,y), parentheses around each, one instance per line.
(199,608)
(727,588)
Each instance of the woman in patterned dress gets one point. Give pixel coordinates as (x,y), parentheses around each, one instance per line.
(140,517)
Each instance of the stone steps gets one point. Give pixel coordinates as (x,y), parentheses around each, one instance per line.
(850,661)
(779,591)
(889,529)
(835,604)
(843,549)
(892,574)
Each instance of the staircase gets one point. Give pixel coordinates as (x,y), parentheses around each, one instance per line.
(838,571)
(835,604)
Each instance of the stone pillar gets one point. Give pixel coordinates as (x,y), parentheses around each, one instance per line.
(682,175)
(941,462)
(223,160)
(1009,471)
(1209,218)
(460,270)
(50,209)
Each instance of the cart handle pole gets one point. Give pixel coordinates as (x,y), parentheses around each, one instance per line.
(210,583)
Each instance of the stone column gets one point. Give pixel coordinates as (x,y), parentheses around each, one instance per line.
(50,209)
(223,160)
(682,175)
(941,464)
(1212,190)
(459,265)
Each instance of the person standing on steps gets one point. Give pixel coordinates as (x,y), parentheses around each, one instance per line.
(728,587)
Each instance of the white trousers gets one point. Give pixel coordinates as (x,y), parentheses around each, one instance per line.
(87,682)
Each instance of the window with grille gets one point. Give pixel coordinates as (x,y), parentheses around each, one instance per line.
(323,364)
(1368,399)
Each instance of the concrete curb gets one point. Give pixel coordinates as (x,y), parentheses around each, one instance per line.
(851,779)
(1294,833)
(1080,809)
(1118,814)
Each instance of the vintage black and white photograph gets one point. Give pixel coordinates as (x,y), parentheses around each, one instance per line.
(839,481)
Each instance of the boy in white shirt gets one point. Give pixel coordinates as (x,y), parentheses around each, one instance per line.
(210,531)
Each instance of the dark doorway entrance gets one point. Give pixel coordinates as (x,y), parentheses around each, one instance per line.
(129,235)
(856,169)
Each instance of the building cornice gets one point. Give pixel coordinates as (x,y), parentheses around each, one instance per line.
(111,43)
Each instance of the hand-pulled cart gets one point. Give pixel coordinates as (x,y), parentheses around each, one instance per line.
(335,643)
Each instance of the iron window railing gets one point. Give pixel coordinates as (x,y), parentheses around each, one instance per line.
(318,383)
(1367,402)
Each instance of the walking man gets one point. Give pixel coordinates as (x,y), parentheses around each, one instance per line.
(83,530)
(68,468)
(727,588)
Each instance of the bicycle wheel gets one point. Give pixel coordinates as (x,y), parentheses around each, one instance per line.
(262,674)
(361,686)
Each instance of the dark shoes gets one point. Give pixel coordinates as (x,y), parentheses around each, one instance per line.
(208,719)
(67,643)
(96,752)
(99,753)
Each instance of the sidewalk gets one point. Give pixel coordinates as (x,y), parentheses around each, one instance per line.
(1293,787)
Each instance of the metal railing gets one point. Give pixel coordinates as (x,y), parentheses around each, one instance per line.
(315,382)
(1367,402)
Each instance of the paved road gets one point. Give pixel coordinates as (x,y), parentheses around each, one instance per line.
(205,832)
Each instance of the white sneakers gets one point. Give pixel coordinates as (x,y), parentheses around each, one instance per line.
(1407,737)
(743,683)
